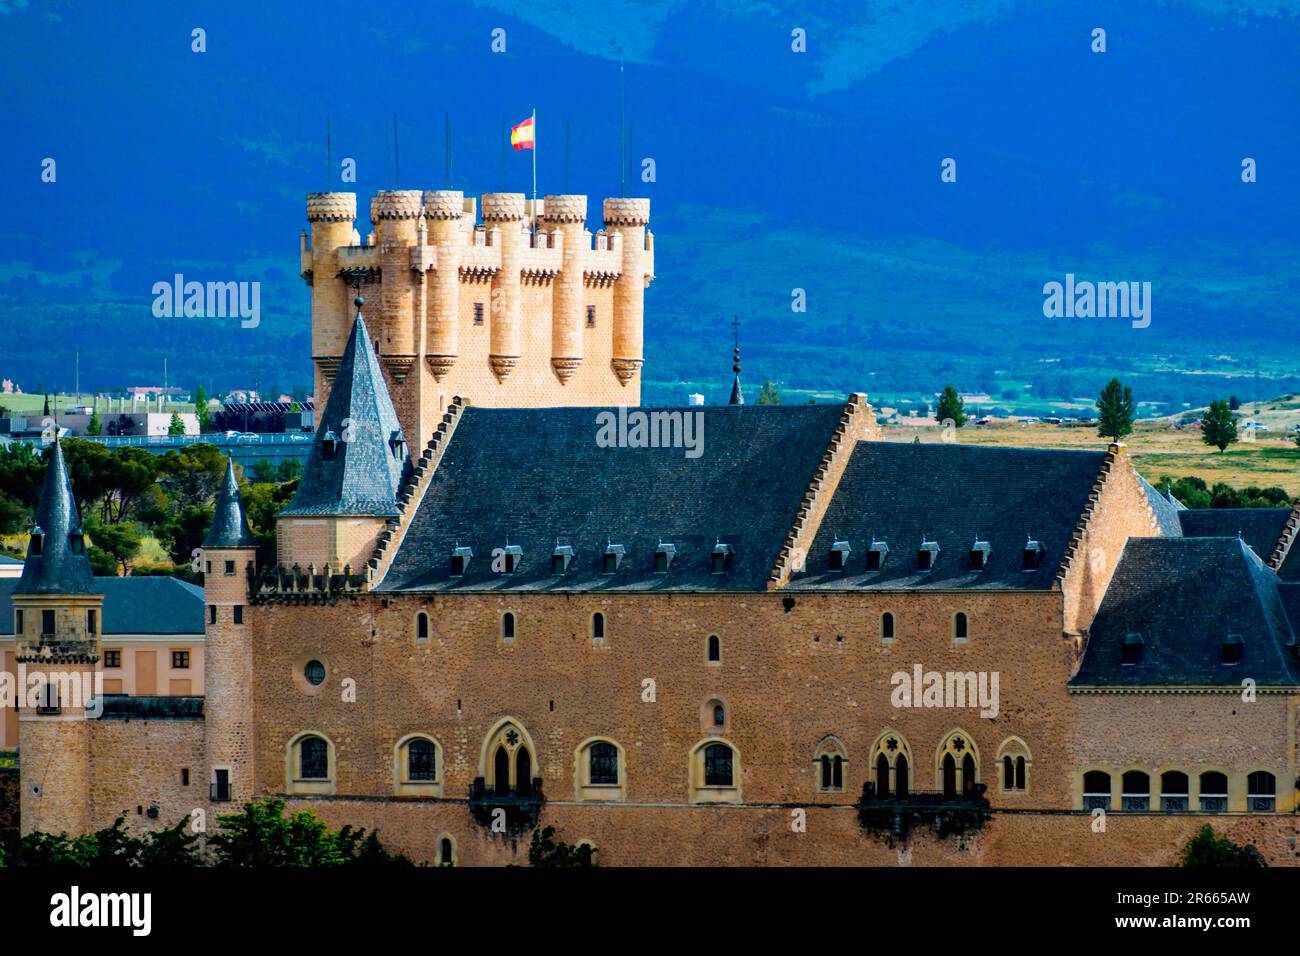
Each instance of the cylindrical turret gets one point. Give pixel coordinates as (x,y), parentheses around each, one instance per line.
(628,218)
(396,214)
(443,211)
(569,215)
(330,216)
(228,676)
(505,212)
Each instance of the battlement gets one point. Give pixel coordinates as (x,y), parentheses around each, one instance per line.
(505,300)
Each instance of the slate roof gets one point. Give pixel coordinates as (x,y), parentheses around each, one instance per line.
(367,469)
(1184,596)
(132,605)
(1166,508)
(528,477)
(953,495)
(1261,528)
(229,525)
(62,567)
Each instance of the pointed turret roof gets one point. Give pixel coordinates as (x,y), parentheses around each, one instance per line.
(737,396)
(56,556)
(359,457)
(229,525)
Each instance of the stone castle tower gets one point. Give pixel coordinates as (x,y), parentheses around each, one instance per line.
(523,309)
(58,618)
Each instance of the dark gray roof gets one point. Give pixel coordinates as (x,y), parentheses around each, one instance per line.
(134,605)
(62,567)
(229,526)
(1260,528)
(368,466)
(121,707)
(528,477)
(904,494)
(737,396)
(1166,508)
(1185,596)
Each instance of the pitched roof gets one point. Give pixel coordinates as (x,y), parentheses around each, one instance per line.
(229,526)
(532,477)
(1260,528)
(6,559)
(62,566)
(367,466)
(954,495)
(1166,509)
(133,605)
(1185,596)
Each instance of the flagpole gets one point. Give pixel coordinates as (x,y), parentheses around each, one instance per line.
(534,216)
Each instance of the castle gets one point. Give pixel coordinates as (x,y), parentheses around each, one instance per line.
(483,619)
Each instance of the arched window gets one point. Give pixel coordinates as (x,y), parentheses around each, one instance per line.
(508,626)
(603,764)
(1174,791)
(719,715)
(507,760)
(891,764)
(887,626)
(715,649)
(1135,793)
(1014,759)
(309,764)
(422,627)
(1214,792)
(446,852)
(713,716)
(598,626)
(960,626)
(313,759)
(717,766)
(828,764)
(1261,792)
(417,766)
(421,761)
(714,772)
(957,767)
(601,774)
(1096,790)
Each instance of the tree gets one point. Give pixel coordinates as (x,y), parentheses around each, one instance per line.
(263,836)
(1234,402)
(1115,411)
(176,426)
(951,407)
(546,851)
(45,412)
(192,474)
(95,427)
(1211,850)
(201,409)
(1219,426)
(769,394)
(113,546)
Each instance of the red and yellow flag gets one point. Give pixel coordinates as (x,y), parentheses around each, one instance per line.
(521,136)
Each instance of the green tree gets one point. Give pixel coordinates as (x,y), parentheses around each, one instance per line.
(769,394)
(201,409)
(1115,411)
(546,851)
(94,427)
(113,546)
(951,407)
(1234,402)
(263,836)
(176,426)
(1210,850)
(1219,426)
(176,846)
(192,475)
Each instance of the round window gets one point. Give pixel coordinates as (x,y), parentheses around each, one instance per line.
(314,672)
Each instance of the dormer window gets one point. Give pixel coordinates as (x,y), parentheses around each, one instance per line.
(926,555)
(397,442)
(979,555)
(460,558)
(329,445)
(511,555)
(560,558)
(722,554)
(876,555)
(664,555)
(613,557)
(839,559)
(1131,649)
(38,541)
(1233,648)
(1033,555)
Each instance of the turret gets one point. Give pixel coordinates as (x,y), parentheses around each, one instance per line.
(397,215)
(629,218)
(58,617)
(569,215)
(443,211)
(228,554)
(504,213)
(330,217)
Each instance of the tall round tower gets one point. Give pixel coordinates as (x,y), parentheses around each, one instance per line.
(569,215)
(505,212)
(397,215)
(330,217)
(228,706)
(443,211)
(629,218)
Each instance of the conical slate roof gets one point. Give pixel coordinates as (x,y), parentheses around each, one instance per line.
(229,526)
(359,457)
(56,556)
(737,396)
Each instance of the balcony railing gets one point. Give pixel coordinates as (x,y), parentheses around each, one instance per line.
(518,808)
(948,813)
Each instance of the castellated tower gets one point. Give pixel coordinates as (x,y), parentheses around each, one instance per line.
(228,554)
(524,309)
(58,618)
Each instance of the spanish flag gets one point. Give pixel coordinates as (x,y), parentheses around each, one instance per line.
(521,136)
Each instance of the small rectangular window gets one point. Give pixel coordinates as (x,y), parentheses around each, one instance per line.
(212,614)
(924,559)
(873,560)
(18,621)
(47,623)
(91,622)
(591,316)
(238,613)
(220,785)
(180,660)
(185,776)
(230,569)
(478,313)
(112,659)
(208,567)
